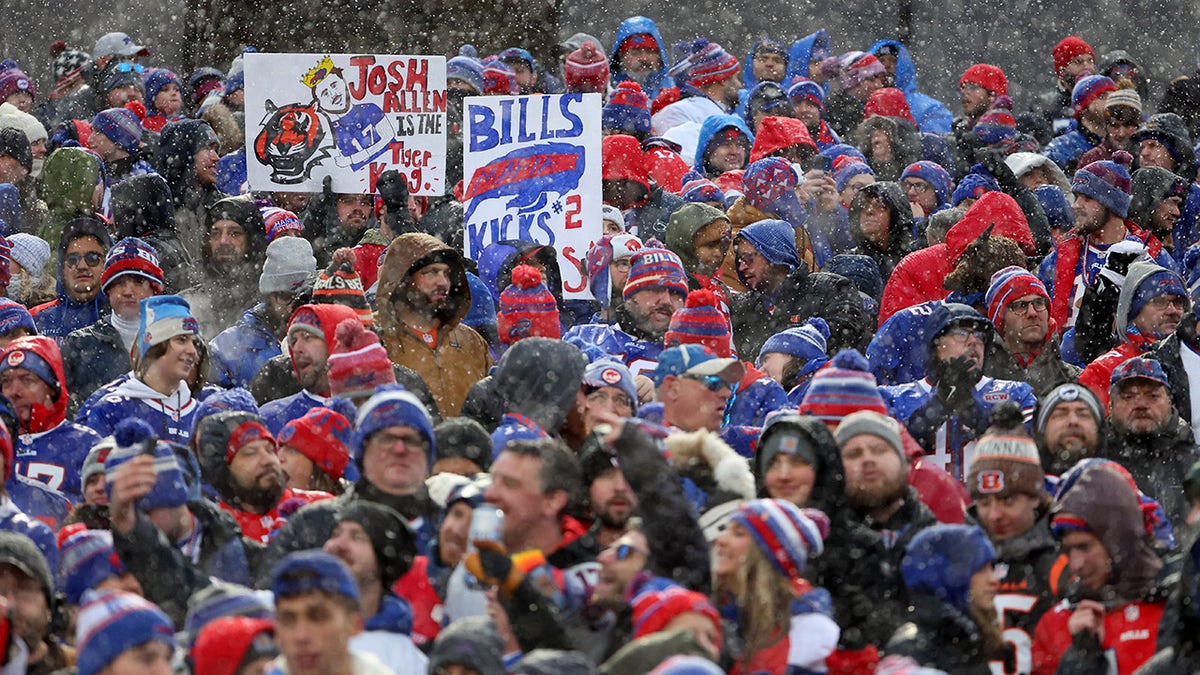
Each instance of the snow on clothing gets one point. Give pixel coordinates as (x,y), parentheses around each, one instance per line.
(710,126)
(92,357)
(221,295)
(939,635)
(1159,460)
(13,519)
(237,352)
(900,240)
(276,414)
(1177,353)
(176,163)
(39,502)
(1067,148)
(756,396)
(62,315)
(170,415)
(458,357)
(639,354)
(657,80)
(802,52)
(931,115)
(142,208)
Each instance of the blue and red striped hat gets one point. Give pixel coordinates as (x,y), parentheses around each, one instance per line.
(132,256)
(701,322)
(653,268)
(845,386)
(784,533)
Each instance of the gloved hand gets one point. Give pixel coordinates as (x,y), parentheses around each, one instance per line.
(1120,256)
(490,564)
(993,161)
(956,384)
(393,189)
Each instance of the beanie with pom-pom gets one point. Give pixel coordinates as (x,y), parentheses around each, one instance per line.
(843,387)
(1107,182)
(135,437)
(627,110)
(586,70)
(701,322)
(805,342)
(997,124)
(527,308)
(358,363)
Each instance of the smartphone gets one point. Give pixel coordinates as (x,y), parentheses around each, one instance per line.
(822,163)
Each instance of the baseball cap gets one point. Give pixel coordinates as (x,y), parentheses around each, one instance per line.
(119,44)
(695,360)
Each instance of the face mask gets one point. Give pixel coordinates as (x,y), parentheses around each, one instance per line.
(37,167)
(16,286)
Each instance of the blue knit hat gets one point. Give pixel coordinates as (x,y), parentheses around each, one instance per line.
(466,69)
(974,185)
(627,110)
(162,318)
(767,182)
(171,486)
(940,561)
(1159,283)
(804,89)
(1087,89)
(13,315)
(113,622)
(515,427)
(932,173)
(393,405)
(1056,206)
(774,239)
(1107,182)
(156,79)
(655,268)
(846,167)
(805,342)
(786,534)
(87,559)
(121,126)
(305,572)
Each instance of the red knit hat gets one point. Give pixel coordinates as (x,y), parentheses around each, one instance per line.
(1068,48)
(889,102)
(228,643)
(323,436)
(987,76)
(701,322)
(358,363)
(586,70)
(621,157)
(653,610)
(527,308)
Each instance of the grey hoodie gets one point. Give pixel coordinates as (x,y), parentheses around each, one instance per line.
(1139,272)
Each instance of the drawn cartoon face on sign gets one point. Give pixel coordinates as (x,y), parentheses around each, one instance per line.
(288,142)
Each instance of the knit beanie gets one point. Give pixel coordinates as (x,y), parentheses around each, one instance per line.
(701,322)
(67,60)
(1005,464)
(973,186)
(1087,89)
(940,561)
(394,543)
(1068,48)
(655,268)
(86,559)
(1159,283)
(1067,393)
(987,76)
(121,126)
(767,180)
(358,363)
(393,405)
(324,436)
(586,70)
(162,318)
(804,89)
(222,599)
(13,315)
(156,79)
(466,69)
(112,622)
(20,551)
(134,437)
(134,257)
(94,462)
(339,284)
(607,250)
(13,80)
(278,220)
(805,342)
(873,423)
(313,571)
(14,143)
(654,609)
(933,173)
(859,66)
(290,261)
(1009,284)
(499,78)
(706,63)
(1107,182)
(775,240)
(997,125)
(841,388)
(861,270)
(786,535)
(846,167)
(701,189)
(463,437)
(888,102)
(527,308)
(1124,96)
(472,642)
(26,353)
(627,110)
(29,251)
(228,644)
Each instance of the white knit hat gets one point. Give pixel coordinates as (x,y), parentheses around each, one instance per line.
(30,252)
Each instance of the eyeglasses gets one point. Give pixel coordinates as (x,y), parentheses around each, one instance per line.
(963,334)
(127,67)
(92,259)
(610,396)
(1021,306)
(713,383)
(748,257)
(623,551)
(1164,301)
(918,186)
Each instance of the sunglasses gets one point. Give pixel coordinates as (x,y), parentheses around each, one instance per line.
(623,551)
(92,259)
(126,67)
(714,383)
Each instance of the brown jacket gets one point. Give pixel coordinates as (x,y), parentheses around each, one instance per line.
(460,356)
(743,213)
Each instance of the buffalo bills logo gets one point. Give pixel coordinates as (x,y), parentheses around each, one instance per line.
(289,142)
(610,376)
(16,358)
(991,482)
(526,175)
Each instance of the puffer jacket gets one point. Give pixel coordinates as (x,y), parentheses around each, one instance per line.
(93,356)
(238,352)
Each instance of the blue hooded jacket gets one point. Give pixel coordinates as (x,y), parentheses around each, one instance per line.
(711,126)
(931,114)
(749,81)
(10,210)
(237,352)
(62,315)
(800,54)
(657,81)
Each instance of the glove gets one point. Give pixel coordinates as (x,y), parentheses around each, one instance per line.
(392,187)
(956,384)
(993,161)
(1120,256)
(490,564)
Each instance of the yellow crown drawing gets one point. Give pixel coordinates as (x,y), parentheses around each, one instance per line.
(319,72)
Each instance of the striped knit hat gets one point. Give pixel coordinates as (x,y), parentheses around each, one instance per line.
(1006,464)
(358,362)
(1009,284)
(805,342)
(846,167)
(706,63)
(784,533)
(804,89)
(527,308)
(499,78)
(339,284)
(628,109)
(701,322)
(843,387)
(933,173)
(170,484)
(1087,89)
(121,126)
(113,622)
(654,609)
(279,220)
(1107,182)
(653,268)
(586,69)
(135,257)
(997,124)
(859,66)
(86,560)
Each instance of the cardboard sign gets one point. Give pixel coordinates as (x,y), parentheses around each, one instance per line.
(350,117)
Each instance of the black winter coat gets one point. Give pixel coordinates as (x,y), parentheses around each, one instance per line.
(92,357)
(942,637)
(1158,461)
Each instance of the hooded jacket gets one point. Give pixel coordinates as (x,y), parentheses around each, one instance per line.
(62,315)
(176,163)
(680,238)
(801,51)
(68,181)
(710,128)
(900,237)
(93,356)
(220,296)
(459,357)
(932,115)
(498,260)
(49,449)
(539,378)
(940,636)
(658,80)
(829,487)
(142,207)
(775,134)
(240,350)
(279,412)
(1168,352)
(1151,184)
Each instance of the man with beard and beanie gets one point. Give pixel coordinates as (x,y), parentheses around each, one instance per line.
(783,293)
(979,87)
(239,460)
(377,547)
(1155,205)
(174,542)
(709,82)
(949,408)
(100,353)
(240,350)
(884,515)
(1010,502)
(610,499)
(656,288)
(1088,129)
(187,159)
(1110,619)
(1069,427)
(1102,193)
(422,298)
(1146,435)
(395,450)
(231,262)
(80,303)
(1028,346)
(311,336)
(49,449)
